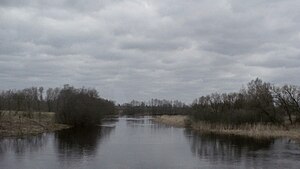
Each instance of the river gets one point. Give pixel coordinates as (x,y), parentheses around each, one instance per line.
(140,143)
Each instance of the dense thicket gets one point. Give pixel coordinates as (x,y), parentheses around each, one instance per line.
(72,106)
(82,107)
(259,102)
(155,107)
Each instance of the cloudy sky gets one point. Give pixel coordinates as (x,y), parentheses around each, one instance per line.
(143,49)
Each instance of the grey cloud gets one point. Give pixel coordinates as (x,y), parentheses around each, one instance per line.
(153,45)
(142,49)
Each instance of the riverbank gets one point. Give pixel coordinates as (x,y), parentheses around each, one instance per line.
(19,124)
(256,131)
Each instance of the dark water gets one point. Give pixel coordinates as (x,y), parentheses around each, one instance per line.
(138,143)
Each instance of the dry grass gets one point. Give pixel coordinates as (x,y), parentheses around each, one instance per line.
(176,120)
(257,130)
(22,123)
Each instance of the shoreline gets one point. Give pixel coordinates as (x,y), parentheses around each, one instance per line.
(255,131)
(18,124)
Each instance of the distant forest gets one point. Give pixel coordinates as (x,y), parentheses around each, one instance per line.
(258,102)
(155,107)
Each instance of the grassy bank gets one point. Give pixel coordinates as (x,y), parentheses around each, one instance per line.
(257,131)
(22,123)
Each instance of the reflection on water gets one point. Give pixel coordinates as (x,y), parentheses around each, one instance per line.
(225,148)
(139,122)
(80,142)
(140,143)
(233,150)
(228,146)
(22,145)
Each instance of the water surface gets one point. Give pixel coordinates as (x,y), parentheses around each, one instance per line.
(139,143)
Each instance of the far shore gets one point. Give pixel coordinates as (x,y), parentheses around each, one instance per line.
(255,131)
(18,124)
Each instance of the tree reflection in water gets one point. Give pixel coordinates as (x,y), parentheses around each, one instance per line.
(24,144)
(79,142)
(140,143)
(225,148)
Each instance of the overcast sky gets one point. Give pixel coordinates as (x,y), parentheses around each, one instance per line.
(143,49)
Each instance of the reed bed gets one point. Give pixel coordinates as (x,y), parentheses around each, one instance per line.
(251,130)
(174,120)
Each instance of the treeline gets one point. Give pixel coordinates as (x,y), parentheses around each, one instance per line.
(154,107)
(259,102)
(74,106)
(29,99)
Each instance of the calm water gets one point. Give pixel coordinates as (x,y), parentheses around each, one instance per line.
(138,143)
